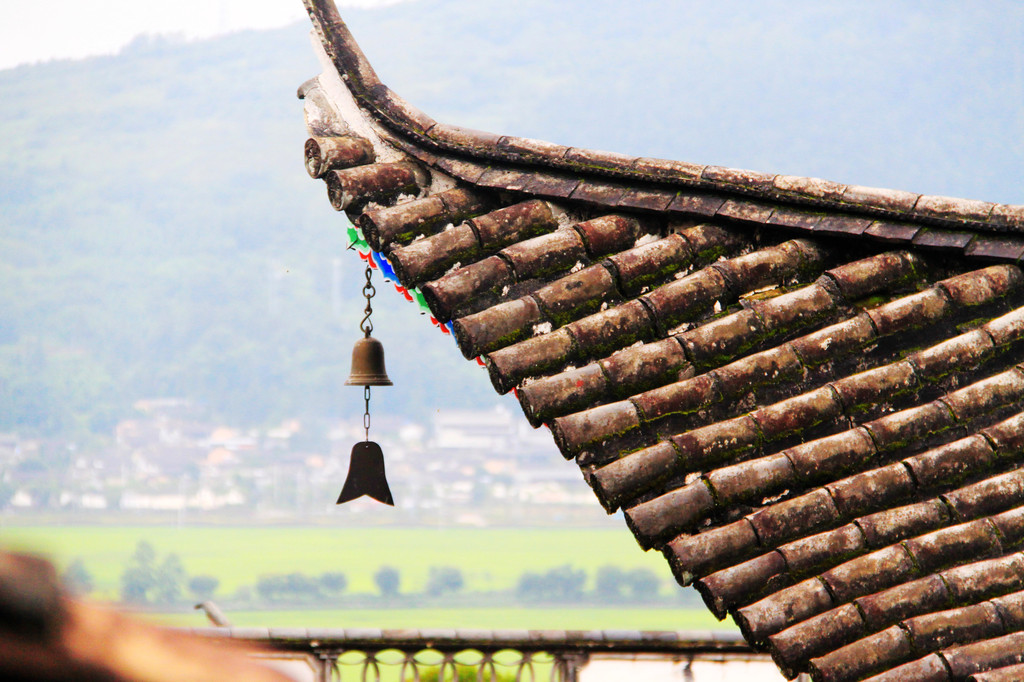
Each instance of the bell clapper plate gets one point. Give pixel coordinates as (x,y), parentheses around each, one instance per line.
(366,475)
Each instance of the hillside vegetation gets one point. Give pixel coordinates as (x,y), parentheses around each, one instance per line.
(160,238)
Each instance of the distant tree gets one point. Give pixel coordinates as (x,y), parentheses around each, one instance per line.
(302,587)
(530,586)
(271,587)
(139,577)
(135,585)
(170,579)
(144,553)
(444,580)
(202,587)
(567,582)
(388,580)
(333,582)
(77,579)
(642,584)
(610,583)
(295,587)
(561,584)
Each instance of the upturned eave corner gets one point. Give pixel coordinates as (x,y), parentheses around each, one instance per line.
(466,154)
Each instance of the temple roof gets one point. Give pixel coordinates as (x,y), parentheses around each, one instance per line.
(805,394)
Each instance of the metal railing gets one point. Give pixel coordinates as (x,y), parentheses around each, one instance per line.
(369,655)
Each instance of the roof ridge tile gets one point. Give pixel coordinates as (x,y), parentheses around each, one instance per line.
(358,185)
(332,153)
(974,657)
(400,224)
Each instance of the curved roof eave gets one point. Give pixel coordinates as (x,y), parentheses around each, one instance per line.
(466,154)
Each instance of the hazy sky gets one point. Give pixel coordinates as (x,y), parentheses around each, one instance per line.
(58,29)
(927,96)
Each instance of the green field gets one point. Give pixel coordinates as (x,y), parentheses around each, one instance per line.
(561,618)
(492,559)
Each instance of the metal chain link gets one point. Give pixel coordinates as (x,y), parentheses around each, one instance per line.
(366,414)
(368,291)
(367,326)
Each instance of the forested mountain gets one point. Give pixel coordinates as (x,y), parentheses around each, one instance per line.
(159,237)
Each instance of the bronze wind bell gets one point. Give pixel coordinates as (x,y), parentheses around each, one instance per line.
(366,465)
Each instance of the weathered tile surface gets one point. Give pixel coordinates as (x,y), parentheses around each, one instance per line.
(807,395)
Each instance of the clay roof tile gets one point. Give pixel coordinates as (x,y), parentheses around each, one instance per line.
(806,394)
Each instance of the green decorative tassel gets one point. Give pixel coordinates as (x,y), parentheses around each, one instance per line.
(356,239)
(420,301)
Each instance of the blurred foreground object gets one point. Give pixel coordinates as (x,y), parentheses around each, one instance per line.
(44,635)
